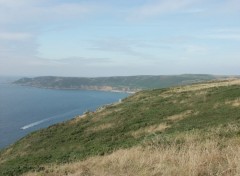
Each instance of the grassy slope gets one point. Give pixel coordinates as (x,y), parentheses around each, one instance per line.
(193,153)
(139,119)
(120,82)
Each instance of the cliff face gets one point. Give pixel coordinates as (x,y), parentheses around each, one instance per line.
(196,123)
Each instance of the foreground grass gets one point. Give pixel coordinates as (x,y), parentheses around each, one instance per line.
(212,152)
(170,116)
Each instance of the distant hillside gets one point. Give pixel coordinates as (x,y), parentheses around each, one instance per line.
(186,130)
(121,83)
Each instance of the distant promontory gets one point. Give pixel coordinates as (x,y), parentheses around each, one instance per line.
(116,83)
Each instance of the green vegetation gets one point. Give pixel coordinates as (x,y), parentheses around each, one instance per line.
(197,152)
(122,83)
(158,115)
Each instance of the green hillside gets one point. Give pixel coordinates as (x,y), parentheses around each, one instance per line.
(123,83)
(154,120)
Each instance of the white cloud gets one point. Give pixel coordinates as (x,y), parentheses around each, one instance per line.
(223,34)
(195,10)
(14,36)
(40,11)
(195,49)
(126,47)
(160,7)
(22,21)
(76,61)
(156,8)
(235,37)
(229,6)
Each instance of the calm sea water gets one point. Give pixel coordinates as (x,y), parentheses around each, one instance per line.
(26,109)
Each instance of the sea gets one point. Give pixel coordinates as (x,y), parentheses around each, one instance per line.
(27,109)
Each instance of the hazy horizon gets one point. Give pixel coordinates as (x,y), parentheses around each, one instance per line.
(119,38)
(34,76)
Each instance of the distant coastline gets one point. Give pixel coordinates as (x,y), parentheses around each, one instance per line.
(121,84)
(85,88)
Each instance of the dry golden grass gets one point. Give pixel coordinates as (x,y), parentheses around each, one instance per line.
(217,105)
(201,93)
(204,86)
(180,116)
(102,112)
(234,103)
(77,119)
(100,127)
(165,94)
(5,154)
(174,101)
(196,154)
(150,129)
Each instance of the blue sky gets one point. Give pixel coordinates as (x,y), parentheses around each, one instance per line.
(127,37)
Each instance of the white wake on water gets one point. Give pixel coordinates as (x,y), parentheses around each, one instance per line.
(35,124)
(48,119)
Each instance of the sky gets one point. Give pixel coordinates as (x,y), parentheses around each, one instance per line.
(92,38)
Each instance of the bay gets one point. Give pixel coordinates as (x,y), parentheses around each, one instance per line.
(26,109)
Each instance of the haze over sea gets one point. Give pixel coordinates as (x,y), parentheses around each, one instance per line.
(26,109)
